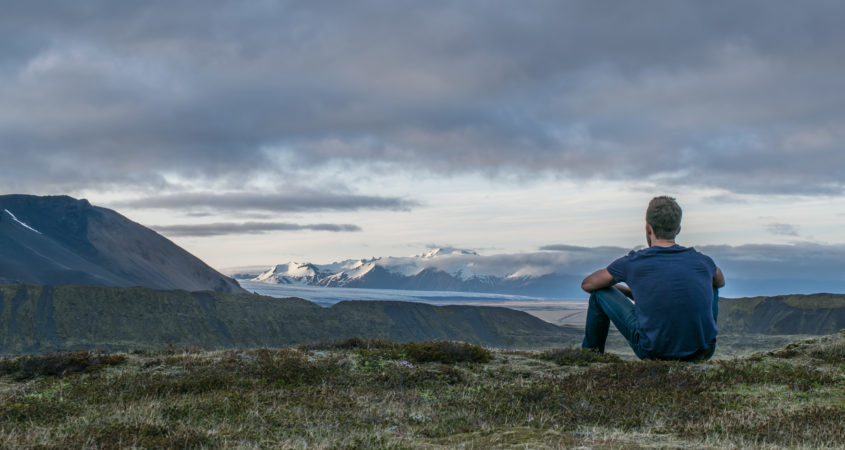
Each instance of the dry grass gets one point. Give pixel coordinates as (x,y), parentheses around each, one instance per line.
(380,394)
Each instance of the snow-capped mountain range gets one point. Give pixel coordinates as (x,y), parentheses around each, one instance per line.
(441,269)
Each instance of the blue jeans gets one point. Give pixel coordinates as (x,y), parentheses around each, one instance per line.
(611,305)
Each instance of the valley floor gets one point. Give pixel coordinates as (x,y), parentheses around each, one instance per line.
(422,395)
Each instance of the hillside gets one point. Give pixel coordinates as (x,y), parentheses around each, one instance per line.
(38,319)
(60,240)
(789,314)
(366,394)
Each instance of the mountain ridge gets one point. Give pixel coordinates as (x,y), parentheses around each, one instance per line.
(55,240)
(440,269)
(71,317)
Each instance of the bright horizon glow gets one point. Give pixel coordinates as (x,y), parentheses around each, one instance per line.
(502,218)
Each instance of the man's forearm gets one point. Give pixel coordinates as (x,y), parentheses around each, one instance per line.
(599,279)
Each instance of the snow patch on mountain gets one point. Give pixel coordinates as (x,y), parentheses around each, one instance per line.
(439,252)
(291,273)
(342,278)
(18,221)
(530,272)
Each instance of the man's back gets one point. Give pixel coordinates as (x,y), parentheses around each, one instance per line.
(673,292)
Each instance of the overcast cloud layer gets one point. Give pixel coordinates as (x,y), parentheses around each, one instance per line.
(747,96)
(304,200)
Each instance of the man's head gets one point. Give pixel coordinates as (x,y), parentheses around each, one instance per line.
(664,217)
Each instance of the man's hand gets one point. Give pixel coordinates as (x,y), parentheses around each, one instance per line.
(625,290)
(599,279)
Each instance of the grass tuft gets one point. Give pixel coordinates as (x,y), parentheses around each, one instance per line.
(446,352)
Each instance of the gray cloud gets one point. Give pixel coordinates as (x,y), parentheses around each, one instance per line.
(578,249)
(219,229)
(782,229)
(745,96)
(304,200)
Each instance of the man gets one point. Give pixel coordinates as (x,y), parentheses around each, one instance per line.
(673,291)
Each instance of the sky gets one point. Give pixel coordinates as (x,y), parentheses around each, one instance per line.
(256,133)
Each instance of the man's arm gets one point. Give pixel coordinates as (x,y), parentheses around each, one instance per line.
(718,279)
(599,279)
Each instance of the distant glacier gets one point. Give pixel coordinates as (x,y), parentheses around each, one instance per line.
(558,311)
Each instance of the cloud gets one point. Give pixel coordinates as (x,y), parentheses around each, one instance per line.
(303,200)
(220,229)
(578,249)
(782,229)
(800,261)
(750,270)
(744,97)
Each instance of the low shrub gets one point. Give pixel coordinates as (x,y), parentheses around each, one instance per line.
(798,377)
(830,353)
(573,356)
(353,343)
(57,364)
(446,352)
(134,435)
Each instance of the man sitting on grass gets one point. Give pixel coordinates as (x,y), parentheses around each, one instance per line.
(668,308)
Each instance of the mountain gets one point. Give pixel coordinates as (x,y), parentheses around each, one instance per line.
(68,318)
(57,240)
(292,273)
(442,269)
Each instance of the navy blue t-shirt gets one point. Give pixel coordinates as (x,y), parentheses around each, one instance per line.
(673,298)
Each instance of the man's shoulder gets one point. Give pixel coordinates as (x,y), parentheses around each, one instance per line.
(671,252)
(697,253)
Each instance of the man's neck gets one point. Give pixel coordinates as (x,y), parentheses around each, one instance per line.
(662,242)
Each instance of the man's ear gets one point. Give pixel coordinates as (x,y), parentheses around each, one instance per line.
(678,231)
(648,229)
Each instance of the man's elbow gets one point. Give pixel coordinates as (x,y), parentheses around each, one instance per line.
(719,279)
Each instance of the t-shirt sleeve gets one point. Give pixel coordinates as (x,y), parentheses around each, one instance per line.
(619,268)
(710,264)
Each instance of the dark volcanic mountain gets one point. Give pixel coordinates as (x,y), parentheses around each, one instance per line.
(59,240)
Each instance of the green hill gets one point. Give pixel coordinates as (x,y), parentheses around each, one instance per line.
(790,314)
(68,318)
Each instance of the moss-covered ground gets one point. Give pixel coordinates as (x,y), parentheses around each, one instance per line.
(378,394)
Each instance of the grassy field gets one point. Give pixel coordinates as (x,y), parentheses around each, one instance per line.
(360,393)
